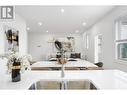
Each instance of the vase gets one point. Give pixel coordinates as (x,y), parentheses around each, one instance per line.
(16,75)
(16,72)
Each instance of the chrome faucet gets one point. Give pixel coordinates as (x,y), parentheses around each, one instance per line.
(62,71)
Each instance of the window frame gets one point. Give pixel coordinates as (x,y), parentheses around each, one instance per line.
(118,41)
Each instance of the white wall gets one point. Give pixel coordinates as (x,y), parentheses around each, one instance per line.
(39,48)
(19,24)
(106,27)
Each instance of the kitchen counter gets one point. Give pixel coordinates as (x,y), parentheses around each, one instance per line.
(102,79)
(78,63)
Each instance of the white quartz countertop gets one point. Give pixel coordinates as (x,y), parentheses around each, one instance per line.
(102,79)
(78,63)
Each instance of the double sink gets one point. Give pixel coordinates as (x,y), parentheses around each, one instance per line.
(63,85)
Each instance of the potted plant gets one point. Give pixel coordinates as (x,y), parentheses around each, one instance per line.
(17,64)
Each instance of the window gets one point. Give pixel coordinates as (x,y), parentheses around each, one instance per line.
(121,39)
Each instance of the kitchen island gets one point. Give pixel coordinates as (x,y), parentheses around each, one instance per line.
(102,79)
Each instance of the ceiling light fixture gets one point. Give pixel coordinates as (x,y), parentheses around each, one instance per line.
(84,23)
(40,23)
(62,10)
(47,31)
(27,28)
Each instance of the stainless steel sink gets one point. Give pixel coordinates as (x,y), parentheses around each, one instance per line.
(48,85)
(80,85)
(64,85)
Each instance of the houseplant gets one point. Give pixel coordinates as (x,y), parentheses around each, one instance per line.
(17,64)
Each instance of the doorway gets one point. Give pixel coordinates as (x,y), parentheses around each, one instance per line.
(97,48)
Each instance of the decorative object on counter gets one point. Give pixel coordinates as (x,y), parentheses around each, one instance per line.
(99,64)
(17,64)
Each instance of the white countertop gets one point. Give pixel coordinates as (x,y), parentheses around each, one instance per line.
(102,79)
(78,63)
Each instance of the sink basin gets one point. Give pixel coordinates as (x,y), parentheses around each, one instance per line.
(80,85)
(48,85)
(64,85)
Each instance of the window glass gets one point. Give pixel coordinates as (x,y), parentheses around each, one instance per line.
(122,51)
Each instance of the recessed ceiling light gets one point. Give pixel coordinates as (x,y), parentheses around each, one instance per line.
(27,28)
(40,23)
(84,23)
(77,31)
(62,10)
(47,31)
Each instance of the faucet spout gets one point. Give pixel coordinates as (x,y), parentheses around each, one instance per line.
(62,71)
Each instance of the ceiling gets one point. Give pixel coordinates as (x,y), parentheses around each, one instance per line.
(68,20)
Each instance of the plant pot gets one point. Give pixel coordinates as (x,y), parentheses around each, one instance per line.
(16,72)
(16,75)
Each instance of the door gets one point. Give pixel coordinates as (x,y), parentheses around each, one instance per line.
(97,48)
